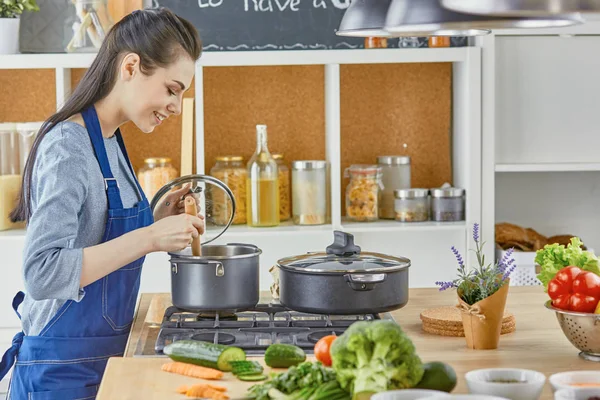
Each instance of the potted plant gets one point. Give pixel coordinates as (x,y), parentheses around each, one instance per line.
(10,10)
(482,293)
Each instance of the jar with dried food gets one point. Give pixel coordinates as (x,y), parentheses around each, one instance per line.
(309,192)
(156,173)
(27,133)
(363,191)
(284,188)
(232,172)
(395,175)
(412,205)
(448,204)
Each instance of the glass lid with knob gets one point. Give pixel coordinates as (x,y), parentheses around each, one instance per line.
(214,200)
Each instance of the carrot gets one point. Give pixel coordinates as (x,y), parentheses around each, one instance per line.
(182,389)
(205,390)
(192,370)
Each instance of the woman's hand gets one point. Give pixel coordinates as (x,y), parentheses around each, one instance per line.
(173,203)
(175,232)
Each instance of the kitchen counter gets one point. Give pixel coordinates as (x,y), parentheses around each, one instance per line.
(538,343)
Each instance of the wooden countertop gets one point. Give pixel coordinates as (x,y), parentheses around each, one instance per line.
(538,344)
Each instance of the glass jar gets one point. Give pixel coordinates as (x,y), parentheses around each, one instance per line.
(285,211)
(156,173)
(232,172)
(411,205)
(27,132)
(92,24)
(439,41)
(448,204)
(262,184)
(362,193)
(9,149)
(309,192)
(395,175)
(376,42)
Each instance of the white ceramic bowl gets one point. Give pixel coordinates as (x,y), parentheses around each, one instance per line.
(576,393)
(564,380)
(465,397)
(406,394)
(481,381)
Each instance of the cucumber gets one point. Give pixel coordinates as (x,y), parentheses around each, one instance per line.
(246,367)
(252,378)
(284,355)
(205,354)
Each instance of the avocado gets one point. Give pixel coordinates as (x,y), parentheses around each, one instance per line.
(438,376)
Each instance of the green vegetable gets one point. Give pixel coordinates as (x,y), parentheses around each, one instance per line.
(554,257)
(326,391)
(246,367)
(375,356)
(284,355)
(438,376)
(299,381)
(253,377)
(205,354)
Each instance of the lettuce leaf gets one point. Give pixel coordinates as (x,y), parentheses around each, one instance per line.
(554,257)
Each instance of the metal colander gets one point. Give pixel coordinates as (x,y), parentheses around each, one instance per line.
(581,329)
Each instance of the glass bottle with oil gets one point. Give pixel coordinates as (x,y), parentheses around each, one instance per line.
(262,184)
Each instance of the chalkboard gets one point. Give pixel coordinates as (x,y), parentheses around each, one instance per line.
(247,25)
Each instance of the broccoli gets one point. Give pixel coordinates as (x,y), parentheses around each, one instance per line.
(374,356)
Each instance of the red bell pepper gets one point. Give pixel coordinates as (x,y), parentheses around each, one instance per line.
(574,289)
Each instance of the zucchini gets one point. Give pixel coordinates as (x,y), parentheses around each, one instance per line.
(205,354)
(246,367)
(284,355)
(252,378)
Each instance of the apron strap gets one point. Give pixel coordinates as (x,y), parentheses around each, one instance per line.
(110,183)
(10,356)
(124,151)
(17,300)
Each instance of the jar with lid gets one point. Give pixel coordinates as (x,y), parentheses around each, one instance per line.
(156,173)
(411,205)
(363,191)
(92,25)
(395,175)
(448,204)
(284,188)
(232,172)
(27,132)
(309,192)
(10,178)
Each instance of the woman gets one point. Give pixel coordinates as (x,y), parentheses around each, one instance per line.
(89,223)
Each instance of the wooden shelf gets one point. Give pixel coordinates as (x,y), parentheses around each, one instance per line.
(554,167)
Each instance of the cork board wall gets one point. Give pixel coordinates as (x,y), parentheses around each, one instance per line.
(383,107)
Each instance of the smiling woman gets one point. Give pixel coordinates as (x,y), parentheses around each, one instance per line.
(89,222)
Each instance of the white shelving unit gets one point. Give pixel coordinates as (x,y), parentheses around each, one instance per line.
(426,244)
(547,167)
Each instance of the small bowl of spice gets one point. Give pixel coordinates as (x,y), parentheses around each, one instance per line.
(582,393)
(512,383)
(575,380)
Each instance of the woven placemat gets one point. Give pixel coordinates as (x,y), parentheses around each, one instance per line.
(447,321)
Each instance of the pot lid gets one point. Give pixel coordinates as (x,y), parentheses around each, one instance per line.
(216,202)
(343,256)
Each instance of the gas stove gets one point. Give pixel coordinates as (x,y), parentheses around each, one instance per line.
(252,330)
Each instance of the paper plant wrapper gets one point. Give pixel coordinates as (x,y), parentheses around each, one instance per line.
(482,321)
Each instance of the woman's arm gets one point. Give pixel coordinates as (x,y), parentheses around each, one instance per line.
(169,234)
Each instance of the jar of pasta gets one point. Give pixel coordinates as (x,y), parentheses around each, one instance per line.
(232,172)
(363,191)
(309,192)
(156,173)
(395,175)
(285,210)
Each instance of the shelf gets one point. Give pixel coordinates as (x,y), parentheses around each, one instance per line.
(247,58)
(284,228)
(554,167)
(12,234)
(395,226)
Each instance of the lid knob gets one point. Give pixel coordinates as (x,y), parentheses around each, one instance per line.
(343,245)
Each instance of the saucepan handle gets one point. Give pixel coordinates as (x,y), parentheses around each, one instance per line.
(364,282)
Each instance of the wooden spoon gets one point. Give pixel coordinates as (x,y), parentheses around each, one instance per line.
(190,208)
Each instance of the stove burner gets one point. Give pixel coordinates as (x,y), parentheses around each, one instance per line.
(211,316)
(222,338)
(315,336)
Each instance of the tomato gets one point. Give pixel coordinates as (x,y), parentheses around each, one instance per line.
(575,290)
(322,349)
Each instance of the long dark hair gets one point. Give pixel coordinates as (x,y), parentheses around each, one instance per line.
(158,36)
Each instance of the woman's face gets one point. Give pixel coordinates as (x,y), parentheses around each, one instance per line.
(147,100)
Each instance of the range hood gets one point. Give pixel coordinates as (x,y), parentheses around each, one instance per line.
(395,18)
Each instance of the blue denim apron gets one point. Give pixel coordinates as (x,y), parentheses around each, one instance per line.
(67,360)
